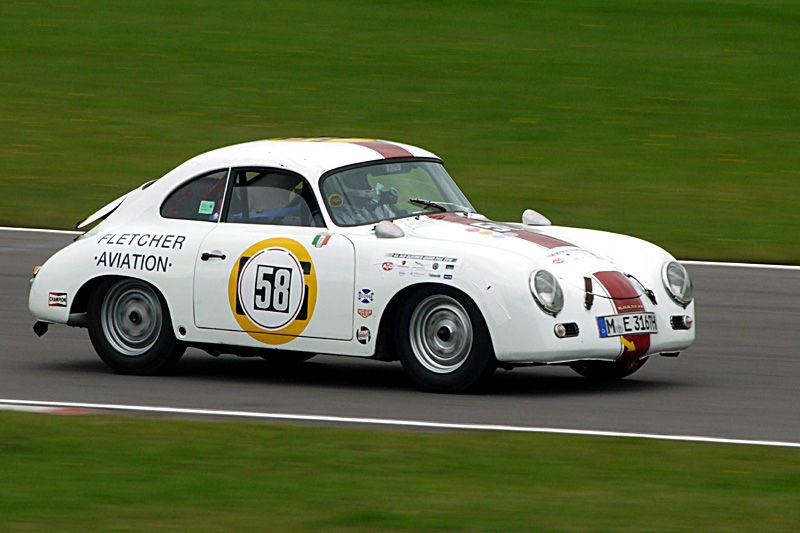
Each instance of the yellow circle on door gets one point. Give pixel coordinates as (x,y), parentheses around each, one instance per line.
(273,290)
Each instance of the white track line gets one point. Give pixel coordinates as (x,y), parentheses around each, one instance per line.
(741,265)
(699,263)
(391,422)
(37,230)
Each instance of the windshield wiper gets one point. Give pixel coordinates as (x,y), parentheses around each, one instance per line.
(428,203)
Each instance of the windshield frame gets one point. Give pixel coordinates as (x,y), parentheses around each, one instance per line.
(468,208)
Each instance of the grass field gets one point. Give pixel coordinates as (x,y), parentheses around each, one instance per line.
(105,473)
(676,121)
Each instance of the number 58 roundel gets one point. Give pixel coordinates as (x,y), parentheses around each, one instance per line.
(273,289)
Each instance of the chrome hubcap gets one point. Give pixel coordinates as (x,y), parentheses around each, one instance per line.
(131,317)
(441,334)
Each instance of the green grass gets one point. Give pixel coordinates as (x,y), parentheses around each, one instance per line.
(676,121)
(124,474)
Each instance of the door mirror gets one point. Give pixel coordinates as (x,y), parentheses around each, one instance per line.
(534,218)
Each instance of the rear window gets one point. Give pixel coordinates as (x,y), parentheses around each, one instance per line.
(199,199)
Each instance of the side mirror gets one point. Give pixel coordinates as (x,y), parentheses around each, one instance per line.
(388,230)
(534,218)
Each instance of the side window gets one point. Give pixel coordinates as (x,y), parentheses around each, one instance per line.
(266,196)
(199,199)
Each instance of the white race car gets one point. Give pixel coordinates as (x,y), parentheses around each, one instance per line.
(289,248)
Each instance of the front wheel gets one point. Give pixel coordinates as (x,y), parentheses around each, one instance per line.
(443,341)
(130,327)
(607,370)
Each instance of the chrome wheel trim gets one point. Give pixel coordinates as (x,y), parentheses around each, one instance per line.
(131,318)
(440,332)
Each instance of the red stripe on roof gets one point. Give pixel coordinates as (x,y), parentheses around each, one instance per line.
(542,240)
(626,300)
(386,149)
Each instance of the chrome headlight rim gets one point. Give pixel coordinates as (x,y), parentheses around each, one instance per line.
(553,304)
(682,293)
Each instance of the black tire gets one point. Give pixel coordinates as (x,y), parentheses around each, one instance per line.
(443,342)
(607,370)
(130,327)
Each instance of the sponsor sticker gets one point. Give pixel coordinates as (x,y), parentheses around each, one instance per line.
(570,254)
(363,335)
(206,207)
(395,264)
(57,299)
(365,313)
(365,296)
(335,200)
(321,240)
(492,227)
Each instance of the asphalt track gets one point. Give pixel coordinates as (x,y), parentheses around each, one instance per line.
(739,380)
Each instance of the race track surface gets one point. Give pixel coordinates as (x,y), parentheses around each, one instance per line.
(739,380)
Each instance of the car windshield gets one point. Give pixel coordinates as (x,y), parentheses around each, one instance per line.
(389,190)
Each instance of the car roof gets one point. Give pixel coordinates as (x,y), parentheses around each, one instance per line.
(309,156)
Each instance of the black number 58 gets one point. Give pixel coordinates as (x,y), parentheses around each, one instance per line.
(272,288)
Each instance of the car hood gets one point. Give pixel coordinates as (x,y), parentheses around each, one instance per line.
(570,254)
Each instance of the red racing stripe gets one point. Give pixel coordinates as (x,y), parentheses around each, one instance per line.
(626,300)
(386,149)
(544,241)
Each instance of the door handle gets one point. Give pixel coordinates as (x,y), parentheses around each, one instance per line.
(205,256)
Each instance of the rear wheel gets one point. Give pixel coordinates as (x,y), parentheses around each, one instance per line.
(130,327)
(443,341)
(607,370)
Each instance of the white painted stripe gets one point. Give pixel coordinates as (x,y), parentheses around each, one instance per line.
(26,408)
(741,265)
(700,263)
(37,230)
(392,422)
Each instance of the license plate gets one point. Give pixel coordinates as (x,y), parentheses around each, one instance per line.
(627,324)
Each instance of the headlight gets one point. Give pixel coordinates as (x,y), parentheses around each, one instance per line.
(677,282)
(547,292)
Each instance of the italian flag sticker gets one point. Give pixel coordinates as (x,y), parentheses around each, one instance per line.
(321,240)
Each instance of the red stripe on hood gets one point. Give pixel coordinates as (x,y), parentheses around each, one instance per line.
(626,299)
(542,240)
(386,149)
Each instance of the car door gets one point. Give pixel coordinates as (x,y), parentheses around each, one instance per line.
(271,268)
